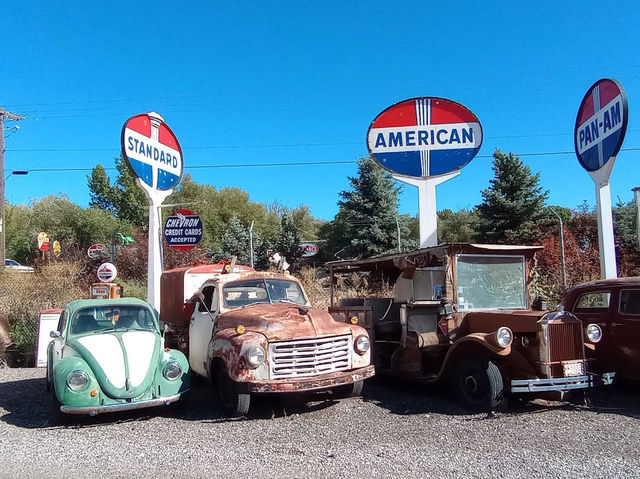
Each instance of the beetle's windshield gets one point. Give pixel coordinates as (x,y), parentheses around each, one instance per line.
(250,291)
(94,319)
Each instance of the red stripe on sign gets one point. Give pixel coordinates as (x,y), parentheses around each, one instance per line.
(586,109)
(402,114)
(449,112)
(165,136)
(140,124)
(608,91)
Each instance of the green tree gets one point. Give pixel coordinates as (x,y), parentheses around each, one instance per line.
(457,227)
(235,241)
(367,220)
(288,241)
(512,204)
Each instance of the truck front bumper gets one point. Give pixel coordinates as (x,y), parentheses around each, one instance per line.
(561,384)
(125,406)
(309,383)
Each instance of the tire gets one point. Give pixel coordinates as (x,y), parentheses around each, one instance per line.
(479,384)
(349,390)
(234,402)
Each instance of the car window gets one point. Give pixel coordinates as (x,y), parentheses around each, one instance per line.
(593,302)
(243,293)
(630,301)
(62,322)
(207,300)
(105,318)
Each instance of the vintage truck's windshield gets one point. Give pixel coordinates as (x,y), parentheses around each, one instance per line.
(109,318)
(490,281)
(250,291)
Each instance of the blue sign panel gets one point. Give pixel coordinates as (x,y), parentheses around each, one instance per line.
(424,137)
(183,230)
(601,124)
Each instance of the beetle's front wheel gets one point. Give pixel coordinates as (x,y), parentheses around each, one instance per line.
(234,402)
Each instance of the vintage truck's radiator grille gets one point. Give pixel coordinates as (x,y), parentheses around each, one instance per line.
(565,344)
(309,357)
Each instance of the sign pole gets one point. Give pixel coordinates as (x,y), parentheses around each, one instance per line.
(155,261)
(606,242)
(427,211)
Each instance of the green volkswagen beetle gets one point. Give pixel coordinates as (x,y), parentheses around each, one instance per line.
(107,355)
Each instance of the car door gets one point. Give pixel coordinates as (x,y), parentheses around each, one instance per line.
(625,333)
(200,329)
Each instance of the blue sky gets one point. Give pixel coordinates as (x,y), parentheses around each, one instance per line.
(259,82)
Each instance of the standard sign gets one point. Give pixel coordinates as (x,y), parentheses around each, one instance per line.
(107,272)
(601,124)
(95,250)
(424,137)
(183,230)
(152,151)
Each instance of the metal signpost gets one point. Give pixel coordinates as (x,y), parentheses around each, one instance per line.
(155,157)
(599,132)
(424,142)
(183,230)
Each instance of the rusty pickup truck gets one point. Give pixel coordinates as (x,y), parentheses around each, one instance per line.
(252,332)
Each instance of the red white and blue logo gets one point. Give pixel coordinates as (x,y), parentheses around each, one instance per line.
(183,230)
(424,137)
(152,151)
(601,124)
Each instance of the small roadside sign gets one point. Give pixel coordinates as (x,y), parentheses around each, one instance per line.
(95,250)
(308,249)
(107,272)
(43,241)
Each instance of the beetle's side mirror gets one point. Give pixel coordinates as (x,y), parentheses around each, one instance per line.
(55,335)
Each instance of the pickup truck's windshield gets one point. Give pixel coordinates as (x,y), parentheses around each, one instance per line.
(250,291)
(96,319)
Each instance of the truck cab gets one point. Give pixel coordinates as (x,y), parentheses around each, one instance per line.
(255,332)
(462,314)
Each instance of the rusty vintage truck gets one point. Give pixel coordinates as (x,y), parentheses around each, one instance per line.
(252,332)
(462,314)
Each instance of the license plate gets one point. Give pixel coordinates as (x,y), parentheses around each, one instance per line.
(573,368)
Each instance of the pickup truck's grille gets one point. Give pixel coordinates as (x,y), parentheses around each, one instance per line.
(309,357)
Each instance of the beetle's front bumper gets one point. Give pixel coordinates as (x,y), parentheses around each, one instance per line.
(125,406)
(561,384)
(309,383)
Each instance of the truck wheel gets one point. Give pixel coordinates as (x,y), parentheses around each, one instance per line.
(479,383)
(233,401)
(349,390)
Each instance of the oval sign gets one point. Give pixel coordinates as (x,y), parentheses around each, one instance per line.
(308,249)
(152,151)
(107,272)
(424,137)
(95,250)
(601,124)
(183,230)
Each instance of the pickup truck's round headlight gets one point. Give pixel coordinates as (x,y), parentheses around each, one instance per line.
(594,333)
(504,336)
(77,380)
(172,370)
(361,344)
(255,356)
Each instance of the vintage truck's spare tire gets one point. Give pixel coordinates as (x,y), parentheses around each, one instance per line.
(478,382)
(233,401)
(348,390)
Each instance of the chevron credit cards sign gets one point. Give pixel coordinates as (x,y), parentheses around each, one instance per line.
(424,137)
(152,151)
(601,124)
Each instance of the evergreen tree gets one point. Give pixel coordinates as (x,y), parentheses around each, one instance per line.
(513,203)
(235,241)
(367,222)
(288,243)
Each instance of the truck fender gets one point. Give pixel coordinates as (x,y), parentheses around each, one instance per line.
(228,347)
(474,343)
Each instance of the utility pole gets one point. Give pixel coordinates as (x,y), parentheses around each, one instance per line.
(10,116)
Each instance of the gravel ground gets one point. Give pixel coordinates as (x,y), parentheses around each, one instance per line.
(397,430)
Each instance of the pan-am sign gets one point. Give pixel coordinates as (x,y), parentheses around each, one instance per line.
(424,137)
(152,151)
(601,124)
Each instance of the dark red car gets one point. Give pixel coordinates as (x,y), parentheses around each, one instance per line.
(614,306)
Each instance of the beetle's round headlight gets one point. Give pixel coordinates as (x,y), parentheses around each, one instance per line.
(78,380)
(594,333)
(172,370)
(255,356)
(504,336)
(361,344)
